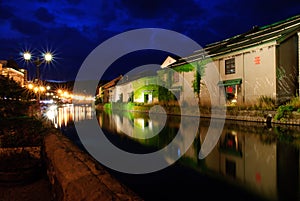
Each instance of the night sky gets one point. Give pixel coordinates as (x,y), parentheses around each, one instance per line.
(71,29)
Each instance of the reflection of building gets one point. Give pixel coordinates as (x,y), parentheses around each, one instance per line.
(20,76)
(269,169)
(246,160)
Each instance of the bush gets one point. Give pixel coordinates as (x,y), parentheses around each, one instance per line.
(22,132)
(266,102)
(283,111)
(295,102)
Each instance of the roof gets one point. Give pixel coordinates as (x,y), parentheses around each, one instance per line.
(278,31)
(111,83)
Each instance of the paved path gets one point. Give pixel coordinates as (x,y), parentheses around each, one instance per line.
(38,190)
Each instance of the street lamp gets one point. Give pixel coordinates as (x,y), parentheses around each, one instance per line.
(37,62)
(47,58)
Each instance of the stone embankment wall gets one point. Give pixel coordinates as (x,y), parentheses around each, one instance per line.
(75,175)
(262,116)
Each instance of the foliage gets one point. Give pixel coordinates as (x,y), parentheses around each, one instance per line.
(266,102)
(149,80)
(295,102)
(280,73)
(200,69)
(118,106)
(283,111)
(22,132)
(287,109)
(10,90)
(14,99)
(185,67)
(107,106)
(166,95)
(151,87)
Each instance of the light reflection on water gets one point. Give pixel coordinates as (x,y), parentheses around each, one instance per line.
(263,160)
(63,114)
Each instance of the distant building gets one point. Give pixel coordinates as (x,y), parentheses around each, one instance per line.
(106,91)
(18,75)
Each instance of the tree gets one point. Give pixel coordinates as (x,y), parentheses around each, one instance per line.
(12,64)
(14,99)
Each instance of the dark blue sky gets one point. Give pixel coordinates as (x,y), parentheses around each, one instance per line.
(73,28)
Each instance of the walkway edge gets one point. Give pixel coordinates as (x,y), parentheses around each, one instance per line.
(75,175)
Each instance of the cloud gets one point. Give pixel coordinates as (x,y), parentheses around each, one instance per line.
(81,25)
(74,11)
(74,1)
(258,12)
(43,15)
(157,8)
(27,27)
(6,12)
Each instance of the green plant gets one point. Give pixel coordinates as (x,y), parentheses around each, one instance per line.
(107,106)
(295,102)
(283,111)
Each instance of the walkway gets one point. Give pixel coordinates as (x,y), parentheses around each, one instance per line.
(38,190)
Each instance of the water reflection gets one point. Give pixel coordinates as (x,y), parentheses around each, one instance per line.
(66,113)
(262,159)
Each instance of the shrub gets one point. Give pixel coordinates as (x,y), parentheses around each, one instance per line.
(283,111)
(295,102)
(266,102)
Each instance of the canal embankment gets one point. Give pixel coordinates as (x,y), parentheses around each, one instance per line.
(75,175)
(38,162)
(260,115)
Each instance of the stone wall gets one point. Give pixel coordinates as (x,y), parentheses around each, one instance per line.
(75,175)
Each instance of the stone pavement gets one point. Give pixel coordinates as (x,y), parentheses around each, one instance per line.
(38,190)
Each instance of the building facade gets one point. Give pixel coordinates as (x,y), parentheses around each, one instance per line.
(20,76)
(261,62)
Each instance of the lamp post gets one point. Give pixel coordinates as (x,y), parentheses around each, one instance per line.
(47,58)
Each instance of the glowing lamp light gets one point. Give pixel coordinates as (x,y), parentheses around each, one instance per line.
(42,88)
(30,86)
(27,55)
(48,56)
(36,89)
(66,94)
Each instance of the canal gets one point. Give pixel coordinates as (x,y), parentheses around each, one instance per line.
(249,161)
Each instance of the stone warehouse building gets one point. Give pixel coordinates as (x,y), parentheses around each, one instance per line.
(261,62)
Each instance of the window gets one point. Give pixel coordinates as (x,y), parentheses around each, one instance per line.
(230,66)
(176,77)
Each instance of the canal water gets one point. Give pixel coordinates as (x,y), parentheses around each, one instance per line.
(249,160)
